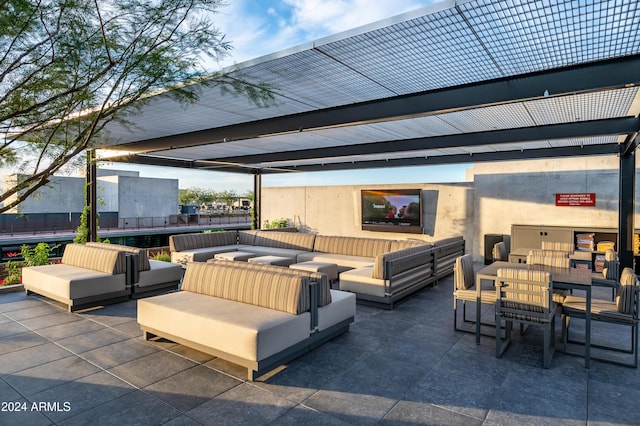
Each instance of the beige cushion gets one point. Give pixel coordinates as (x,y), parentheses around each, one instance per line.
(550,253)
(351,246)
(160,273)
(95,258)
(381,259)
(67,282)
(403,244)
(246,331)
(274,251)
(359,281)
(343,261)
(143,254)
(284,292)
(342,307)
(558,262)
(201,240)
(285,240)
(625,297)
(554,245)
(202,254)
(463,274)
(604,309)
(324,290)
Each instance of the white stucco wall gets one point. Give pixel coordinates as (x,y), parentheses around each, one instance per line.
(336,210)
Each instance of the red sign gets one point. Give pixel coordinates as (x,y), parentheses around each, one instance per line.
(580,199)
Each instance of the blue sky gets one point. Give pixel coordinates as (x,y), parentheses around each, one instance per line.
(262,27)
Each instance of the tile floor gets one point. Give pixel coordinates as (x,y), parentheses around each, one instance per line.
(400,367)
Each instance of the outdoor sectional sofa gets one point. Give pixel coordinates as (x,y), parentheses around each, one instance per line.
(96,273)
(254,316)
(379,271)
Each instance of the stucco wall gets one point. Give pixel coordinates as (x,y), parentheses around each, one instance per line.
(336,210)
(146,197)
(501,194)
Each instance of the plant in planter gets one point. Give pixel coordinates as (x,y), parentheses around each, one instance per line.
(162,256)
(37,256)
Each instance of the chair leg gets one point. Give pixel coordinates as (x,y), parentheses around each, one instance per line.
(501,345)
(549,342)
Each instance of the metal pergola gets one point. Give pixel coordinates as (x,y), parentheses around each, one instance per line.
(456,82)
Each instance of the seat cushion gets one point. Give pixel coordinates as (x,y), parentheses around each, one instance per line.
(201,254)
(341,308)
(160,273)
(359,281)
(343,261)
(68,282)
(247,331)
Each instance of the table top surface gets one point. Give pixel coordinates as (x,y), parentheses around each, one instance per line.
(563,275)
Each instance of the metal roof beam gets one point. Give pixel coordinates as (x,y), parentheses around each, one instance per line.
(612,126)
(572,151)
(608,74)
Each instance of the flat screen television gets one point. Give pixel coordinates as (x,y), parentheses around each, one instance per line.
(396,210)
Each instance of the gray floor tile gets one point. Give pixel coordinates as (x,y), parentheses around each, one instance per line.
(134,408)
(17,301)
(130,328)
(352,408)
(118,353)
(192,354)
(190,388)
(416,413)
(33,312)
(84,394)
(30,357)
(301,415)
(12,328)
(148,369)
(243,405)
(49,375)
(23,414)
(62,331)
(49,320)
(16,342)
(611,404)
(92,340)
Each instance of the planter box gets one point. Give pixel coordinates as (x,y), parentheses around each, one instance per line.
(11,288)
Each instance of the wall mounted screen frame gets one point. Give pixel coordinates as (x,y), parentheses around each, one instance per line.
(392,210)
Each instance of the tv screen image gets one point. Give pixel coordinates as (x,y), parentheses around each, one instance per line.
(397,210)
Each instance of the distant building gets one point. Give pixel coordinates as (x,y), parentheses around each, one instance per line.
(124,192)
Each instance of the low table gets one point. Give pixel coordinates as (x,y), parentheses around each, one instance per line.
(242,256)
(331,269)
(272,260)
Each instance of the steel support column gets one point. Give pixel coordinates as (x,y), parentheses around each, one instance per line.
(92,196)
(257,199)
(626,208)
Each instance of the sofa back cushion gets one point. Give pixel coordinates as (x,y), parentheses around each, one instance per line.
(94,258)
(202,240)
(417,262)
(143,254)
(247,237)
(285,240)
(324,288)
(282,292)
(403,244)
(351,246)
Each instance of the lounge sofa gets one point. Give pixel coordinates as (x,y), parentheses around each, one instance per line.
(98,273)
(85,277)
(256,317)
(379,271)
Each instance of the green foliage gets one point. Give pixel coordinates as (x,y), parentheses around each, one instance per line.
(163,256)
(276,223)
(37,256)
(70,67)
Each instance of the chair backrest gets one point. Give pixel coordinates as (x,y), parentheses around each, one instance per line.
(611,270)
(558,246)
(627,298)
(550,253)
(524,294)
(463,273)
(558,262)
(500,251)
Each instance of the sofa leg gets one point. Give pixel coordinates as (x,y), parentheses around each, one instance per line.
(147,336)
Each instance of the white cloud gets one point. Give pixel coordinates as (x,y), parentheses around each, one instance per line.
(260,28)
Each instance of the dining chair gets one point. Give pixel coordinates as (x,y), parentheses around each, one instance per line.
(610,275)
(550,253)
(557,246)
(465,291)
(554,261)
(624,312)
(525,296)
(500,252)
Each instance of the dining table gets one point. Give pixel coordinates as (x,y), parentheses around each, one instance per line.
(564,278)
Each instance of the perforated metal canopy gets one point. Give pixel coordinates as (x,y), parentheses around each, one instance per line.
(461,81)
